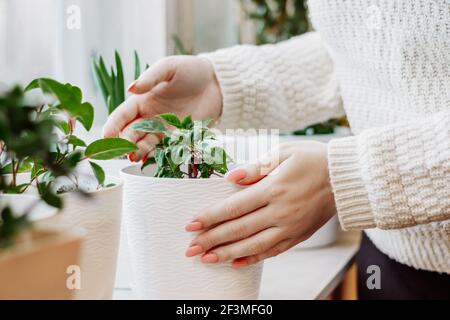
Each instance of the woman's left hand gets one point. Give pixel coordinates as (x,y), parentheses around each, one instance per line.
(288,199)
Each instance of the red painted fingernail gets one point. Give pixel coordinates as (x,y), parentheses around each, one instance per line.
(236,175)
(210,258)
(194,251)
(239,263)
(194,226)
(131,157)
(144,158)
(132,88)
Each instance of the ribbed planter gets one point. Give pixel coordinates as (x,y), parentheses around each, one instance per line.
(100,216)
(156,211)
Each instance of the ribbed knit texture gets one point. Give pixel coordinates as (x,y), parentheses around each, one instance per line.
(387,63)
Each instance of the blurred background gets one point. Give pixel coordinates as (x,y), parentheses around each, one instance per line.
(59,39)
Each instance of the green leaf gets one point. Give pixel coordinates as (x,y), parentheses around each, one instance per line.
(150,126)
(98,172)
(148,162)
(64,126)
(37,169)
(70,99)
(109,148)
(120,82)
(99,80)
(49,197)
(105,76)
(137,66)
(76,142)
(110,104)
(86,115)
(25,166)
(187,123)
(171,119)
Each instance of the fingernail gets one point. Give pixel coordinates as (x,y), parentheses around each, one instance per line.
(144,158)
(194,251)
(236,175)
(132,88)
(131,157)
(210,258)
(239,263)
(194,226)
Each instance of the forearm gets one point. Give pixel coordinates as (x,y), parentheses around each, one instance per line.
(286,86)
(393,177)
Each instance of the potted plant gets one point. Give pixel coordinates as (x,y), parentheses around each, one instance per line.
(161,196)
(99,213)
(33,258)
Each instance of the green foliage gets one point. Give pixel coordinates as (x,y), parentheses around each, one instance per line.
(191,146)
(69,150)
(69,97)
(98,172)
(26,137)
(110,148)
(111,83)
(277,20)
(180,47)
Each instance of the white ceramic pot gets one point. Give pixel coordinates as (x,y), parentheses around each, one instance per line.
(100,216)
(156,211)
(21,203)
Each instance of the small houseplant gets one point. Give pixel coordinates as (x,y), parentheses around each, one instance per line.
(161,196)
(111,81)
(33,258)
(100,213)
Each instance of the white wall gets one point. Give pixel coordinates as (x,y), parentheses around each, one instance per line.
(35,41)
(215,24)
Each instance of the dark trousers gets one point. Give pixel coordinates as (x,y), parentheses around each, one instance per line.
(397,281)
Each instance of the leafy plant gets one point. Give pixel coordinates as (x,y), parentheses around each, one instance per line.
(25,139)
(277,20)
(112,83)
(180,48)
(65,151)
(191,150)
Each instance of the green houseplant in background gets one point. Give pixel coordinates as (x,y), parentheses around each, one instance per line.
(100,214)
(279,20)
(33,258)
(111,81)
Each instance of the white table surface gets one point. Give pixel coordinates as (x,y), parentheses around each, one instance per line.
(301,274)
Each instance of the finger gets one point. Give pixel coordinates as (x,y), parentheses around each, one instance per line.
(279,248)
(254,172)
(127,112)
(232,231)
(162,71)
(145,146)
(130,134)
(239,204)
(254,245)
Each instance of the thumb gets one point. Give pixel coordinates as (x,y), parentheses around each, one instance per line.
(254,172)
(162,71)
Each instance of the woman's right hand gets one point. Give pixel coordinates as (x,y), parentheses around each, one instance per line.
(184,85)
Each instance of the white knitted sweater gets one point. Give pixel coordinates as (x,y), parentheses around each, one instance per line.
(386,65)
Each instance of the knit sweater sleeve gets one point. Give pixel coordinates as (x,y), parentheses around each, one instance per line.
(393,177)
(286,86)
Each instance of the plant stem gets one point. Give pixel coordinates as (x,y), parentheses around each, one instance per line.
(13,168)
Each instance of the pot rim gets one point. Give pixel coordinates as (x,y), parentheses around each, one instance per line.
(125,173)
(118,183)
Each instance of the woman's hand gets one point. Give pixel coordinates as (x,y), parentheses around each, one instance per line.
(276,212)
(184,85)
